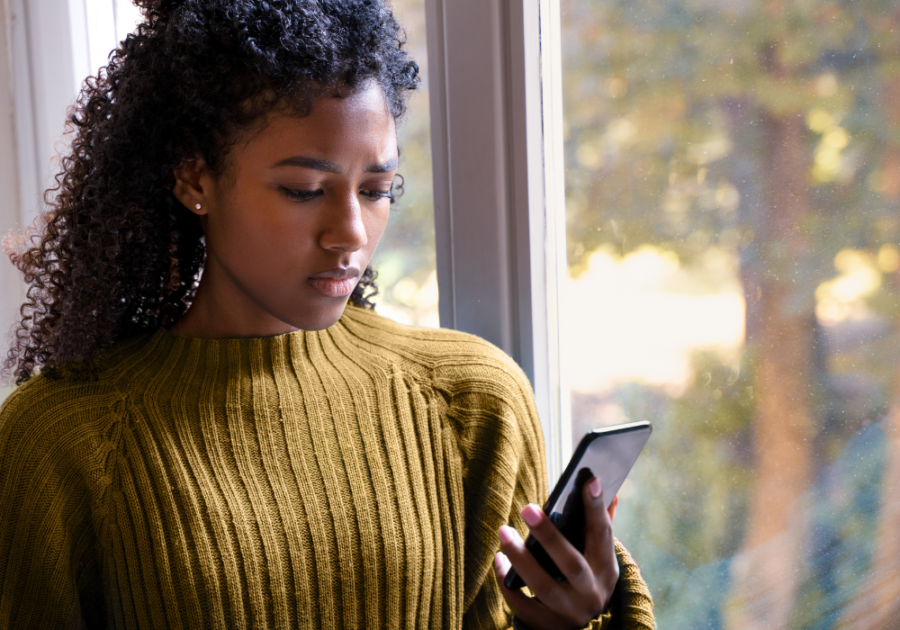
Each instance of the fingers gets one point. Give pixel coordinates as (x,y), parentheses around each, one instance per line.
(524,607)
(526,565)
(612,508)
(567,558)
(591,578)
(599,546)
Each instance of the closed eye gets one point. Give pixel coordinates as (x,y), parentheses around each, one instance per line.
(306,195)
(375,195)
(301,195)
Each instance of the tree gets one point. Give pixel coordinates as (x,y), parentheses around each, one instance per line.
(877,605)
(753,127)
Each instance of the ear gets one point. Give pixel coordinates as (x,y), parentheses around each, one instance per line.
(193,183)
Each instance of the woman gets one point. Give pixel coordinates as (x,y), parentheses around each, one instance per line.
(217,439)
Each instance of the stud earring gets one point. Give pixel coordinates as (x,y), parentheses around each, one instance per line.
(197,206)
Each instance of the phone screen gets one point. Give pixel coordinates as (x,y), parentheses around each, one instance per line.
(608,454)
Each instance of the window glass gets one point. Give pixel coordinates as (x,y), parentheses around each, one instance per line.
(405,258)
(733,187)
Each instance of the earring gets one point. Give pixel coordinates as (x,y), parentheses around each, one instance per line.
(197,207)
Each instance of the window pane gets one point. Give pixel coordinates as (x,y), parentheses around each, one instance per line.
(733,187)
(405,259)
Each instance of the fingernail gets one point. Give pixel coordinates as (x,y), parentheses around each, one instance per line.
(507,535)
(594,487)
(531,514)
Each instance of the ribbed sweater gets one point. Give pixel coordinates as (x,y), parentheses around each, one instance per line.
(353,477)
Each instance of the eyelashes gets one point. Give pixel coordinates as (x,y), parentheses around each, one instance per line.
(300,195)
(306,195)
(378,194)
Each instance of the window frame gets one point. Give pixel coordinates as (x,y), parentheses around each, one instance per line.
(12,289)
(499,196)
(47,48)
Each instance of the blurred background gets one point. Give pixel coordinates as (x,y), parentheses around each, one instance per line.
(405,259)
(733,179)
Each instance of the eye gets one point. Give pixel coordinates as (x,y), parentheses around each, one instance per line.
(301,195)
(375,195)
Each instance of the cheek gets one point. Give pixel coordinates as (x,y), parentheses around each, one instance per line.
(376,225)
(259,232)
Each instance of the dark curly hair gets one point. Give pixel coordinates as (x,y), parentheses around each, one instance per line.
(117,253)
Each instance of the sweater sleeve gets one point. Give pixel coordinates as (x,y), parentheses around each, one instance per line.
(504,469)
(48,577)
(502,455)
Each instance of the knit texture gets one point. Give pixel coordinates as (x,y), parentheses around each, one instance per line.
(345,478)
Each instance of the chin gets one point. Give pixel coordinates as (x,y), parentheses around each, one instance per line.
(322,318)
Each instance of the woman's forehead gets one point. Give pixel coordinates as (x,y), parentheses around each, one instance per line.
(337,129)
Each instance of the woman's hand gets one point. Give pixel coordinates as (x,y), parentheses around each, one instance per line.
(590,578)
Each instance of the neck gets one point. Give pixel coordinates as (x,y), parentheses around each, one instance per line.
(221,311)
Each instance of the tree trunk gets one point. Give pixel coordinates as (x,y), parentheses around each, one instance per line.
(877,605)
(768,571)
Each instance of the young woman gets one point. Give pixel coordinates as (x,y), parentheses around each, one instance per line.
(223,433)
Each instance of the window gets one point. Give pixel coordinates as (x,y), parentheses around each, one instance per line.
(729,272)
(732,190)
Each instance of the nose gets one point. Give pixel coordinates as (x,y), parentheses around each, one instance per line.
(344,229)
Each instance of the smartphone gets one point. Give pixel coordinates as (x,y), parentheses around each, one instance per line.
(608,454)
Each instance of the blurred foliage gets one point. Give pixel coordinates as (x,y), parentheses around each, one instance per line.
(667,106)
(651,90)
(683,515)
(844,517)
(691,485)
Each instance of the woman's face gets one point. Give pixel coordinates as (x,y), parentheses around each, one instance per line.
(293,223)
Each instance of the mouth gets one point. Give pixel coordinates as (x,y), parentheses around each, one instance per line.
(336,283)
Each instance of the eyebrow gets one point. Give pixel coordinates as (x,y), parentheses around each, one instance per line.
(327,167)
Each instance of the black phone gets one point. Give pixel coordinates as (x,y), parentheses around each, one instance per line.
(608,454)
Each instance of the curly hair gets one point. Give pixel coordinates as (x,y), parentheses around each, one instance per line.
(118,254)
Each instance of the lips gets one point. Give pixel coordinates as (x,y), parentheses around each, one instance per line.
(336,283)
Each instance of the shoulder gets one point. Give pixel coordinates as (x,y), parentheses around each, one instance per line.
(63,406)
(490,403)
(45,413)
(40,399)
(457,362)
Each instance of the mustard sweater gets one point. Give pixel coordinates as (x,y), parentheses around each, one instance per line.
(353,477)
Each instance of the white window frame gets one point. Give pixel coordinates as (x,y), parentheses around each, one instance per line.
(12,290)
(499,199)
(47,48)
(54,45)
